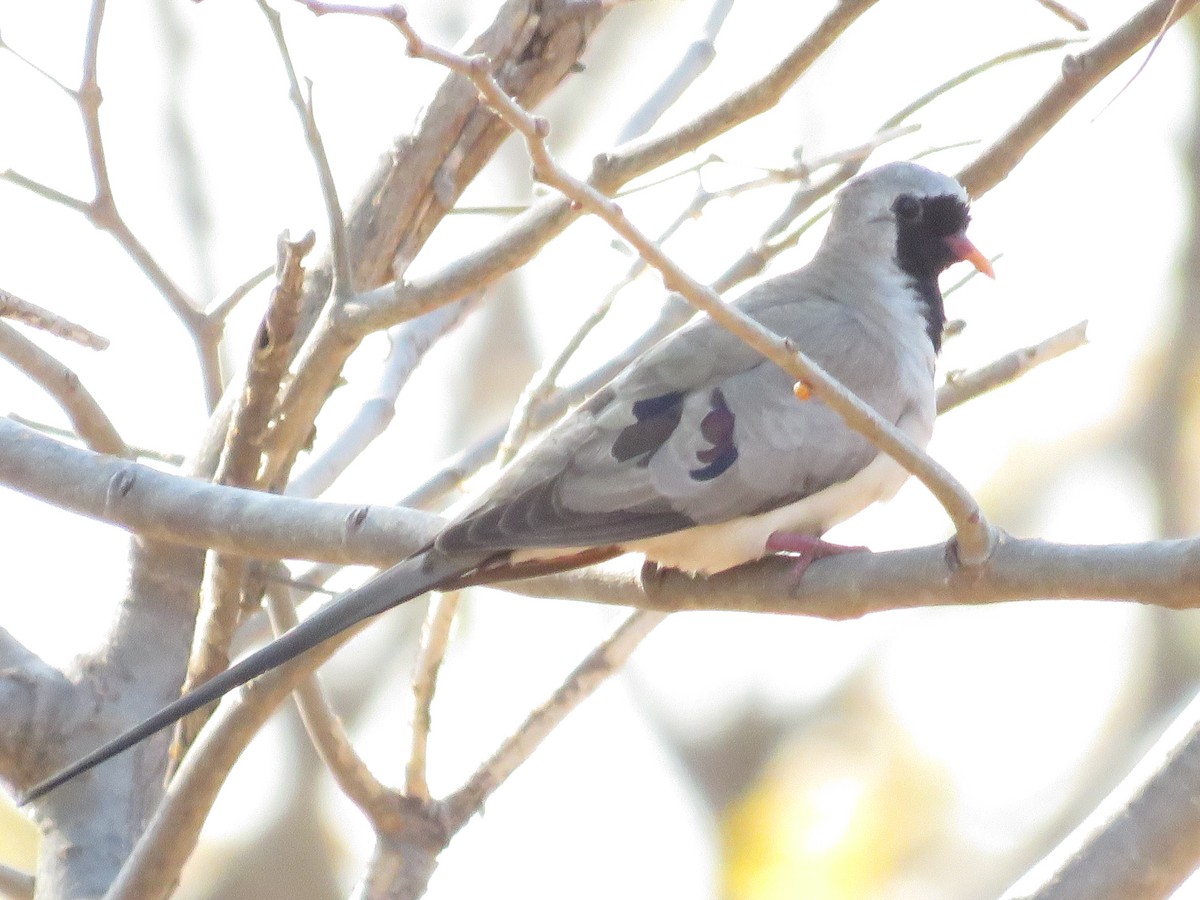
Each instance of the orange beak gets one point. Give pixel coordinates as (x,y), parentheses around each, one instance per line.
(965,251)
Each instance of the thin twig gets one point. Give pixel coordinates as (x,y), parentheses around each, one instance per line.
(5,45)
(136,451)
(962,387)
(45,191)
(408,345)
(1071,17)
(325,729)
(435,638)
(219,309)
(103,214)
(302,101)
(89,420)
(13,307)
(1162,32)
(579,685)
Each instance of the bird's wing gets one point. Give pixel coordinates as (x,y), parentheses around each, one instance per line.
(701,430)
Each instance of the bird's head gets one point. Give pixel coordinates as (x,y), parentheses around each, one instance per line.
(907,214)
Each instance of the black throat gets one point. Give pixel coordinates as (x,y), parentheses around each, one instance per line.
(922,253)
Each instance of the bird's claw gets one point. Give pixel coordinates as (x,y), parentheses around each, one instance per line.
(806,548)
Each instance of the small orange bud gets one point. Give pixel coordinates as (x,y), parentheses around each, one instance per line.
(801,390)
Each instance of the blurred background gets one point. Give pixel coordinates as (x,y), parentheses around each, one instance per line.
(926,754)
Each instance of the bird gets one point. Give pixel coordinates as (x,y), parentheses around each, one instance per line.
(700,455)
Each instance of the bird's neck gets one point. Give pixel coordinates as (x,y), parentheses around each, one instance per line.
(929,304)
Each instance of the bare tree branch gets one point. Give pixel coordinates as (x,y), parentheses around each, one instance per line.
(303,102)
(695,59)
(435,638)
(325,729)
(409,343)
(581,684)
(13,307)
(220,309)
(87,418)
(960,387)
(253,524)
(1080,74)
(102,212)
(271,351)
(527,233)
(1072,18)
(1142,841)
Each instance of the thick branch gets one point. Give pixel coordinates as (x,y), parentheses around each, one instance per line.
(1142,841)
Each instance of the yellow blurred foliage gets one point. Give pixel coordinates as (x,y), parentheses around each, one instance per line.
(834,815)
(18,838)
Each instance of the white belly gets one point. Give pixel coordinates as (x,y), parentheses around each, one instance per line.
(713,548)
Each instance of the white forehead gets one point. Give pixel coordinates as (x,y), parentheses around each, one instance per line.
(874,192)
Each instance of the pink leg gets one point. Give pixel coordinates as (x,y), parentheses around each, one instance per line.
(806,548)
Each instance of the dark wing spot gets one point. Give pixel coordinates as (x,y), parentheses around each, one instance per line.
(657,418)
(717,428)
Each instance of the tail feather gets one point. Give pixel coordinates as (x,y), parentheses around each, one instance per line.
(402,582)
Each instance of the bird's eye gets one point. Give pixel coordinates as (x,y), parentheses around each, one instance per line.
(907,207)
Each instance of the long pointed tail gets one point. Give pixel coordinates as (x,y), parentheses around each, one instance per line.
(389,588)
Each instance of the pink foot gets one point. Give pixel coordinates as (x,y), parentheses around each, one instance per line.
(806,548)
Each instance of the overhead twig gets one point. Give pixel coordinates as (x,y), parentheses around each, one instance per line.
(219,309)
(528,232)
(86,416)
(1080,73)
(13,307)
(302,100)
(1071,17)
(595,669)
(695,59)
(1162,32)
(101,211)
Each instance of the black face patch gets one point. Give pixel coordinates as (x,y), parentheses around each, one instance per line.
(657,418)
(717,428)
(922,226)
